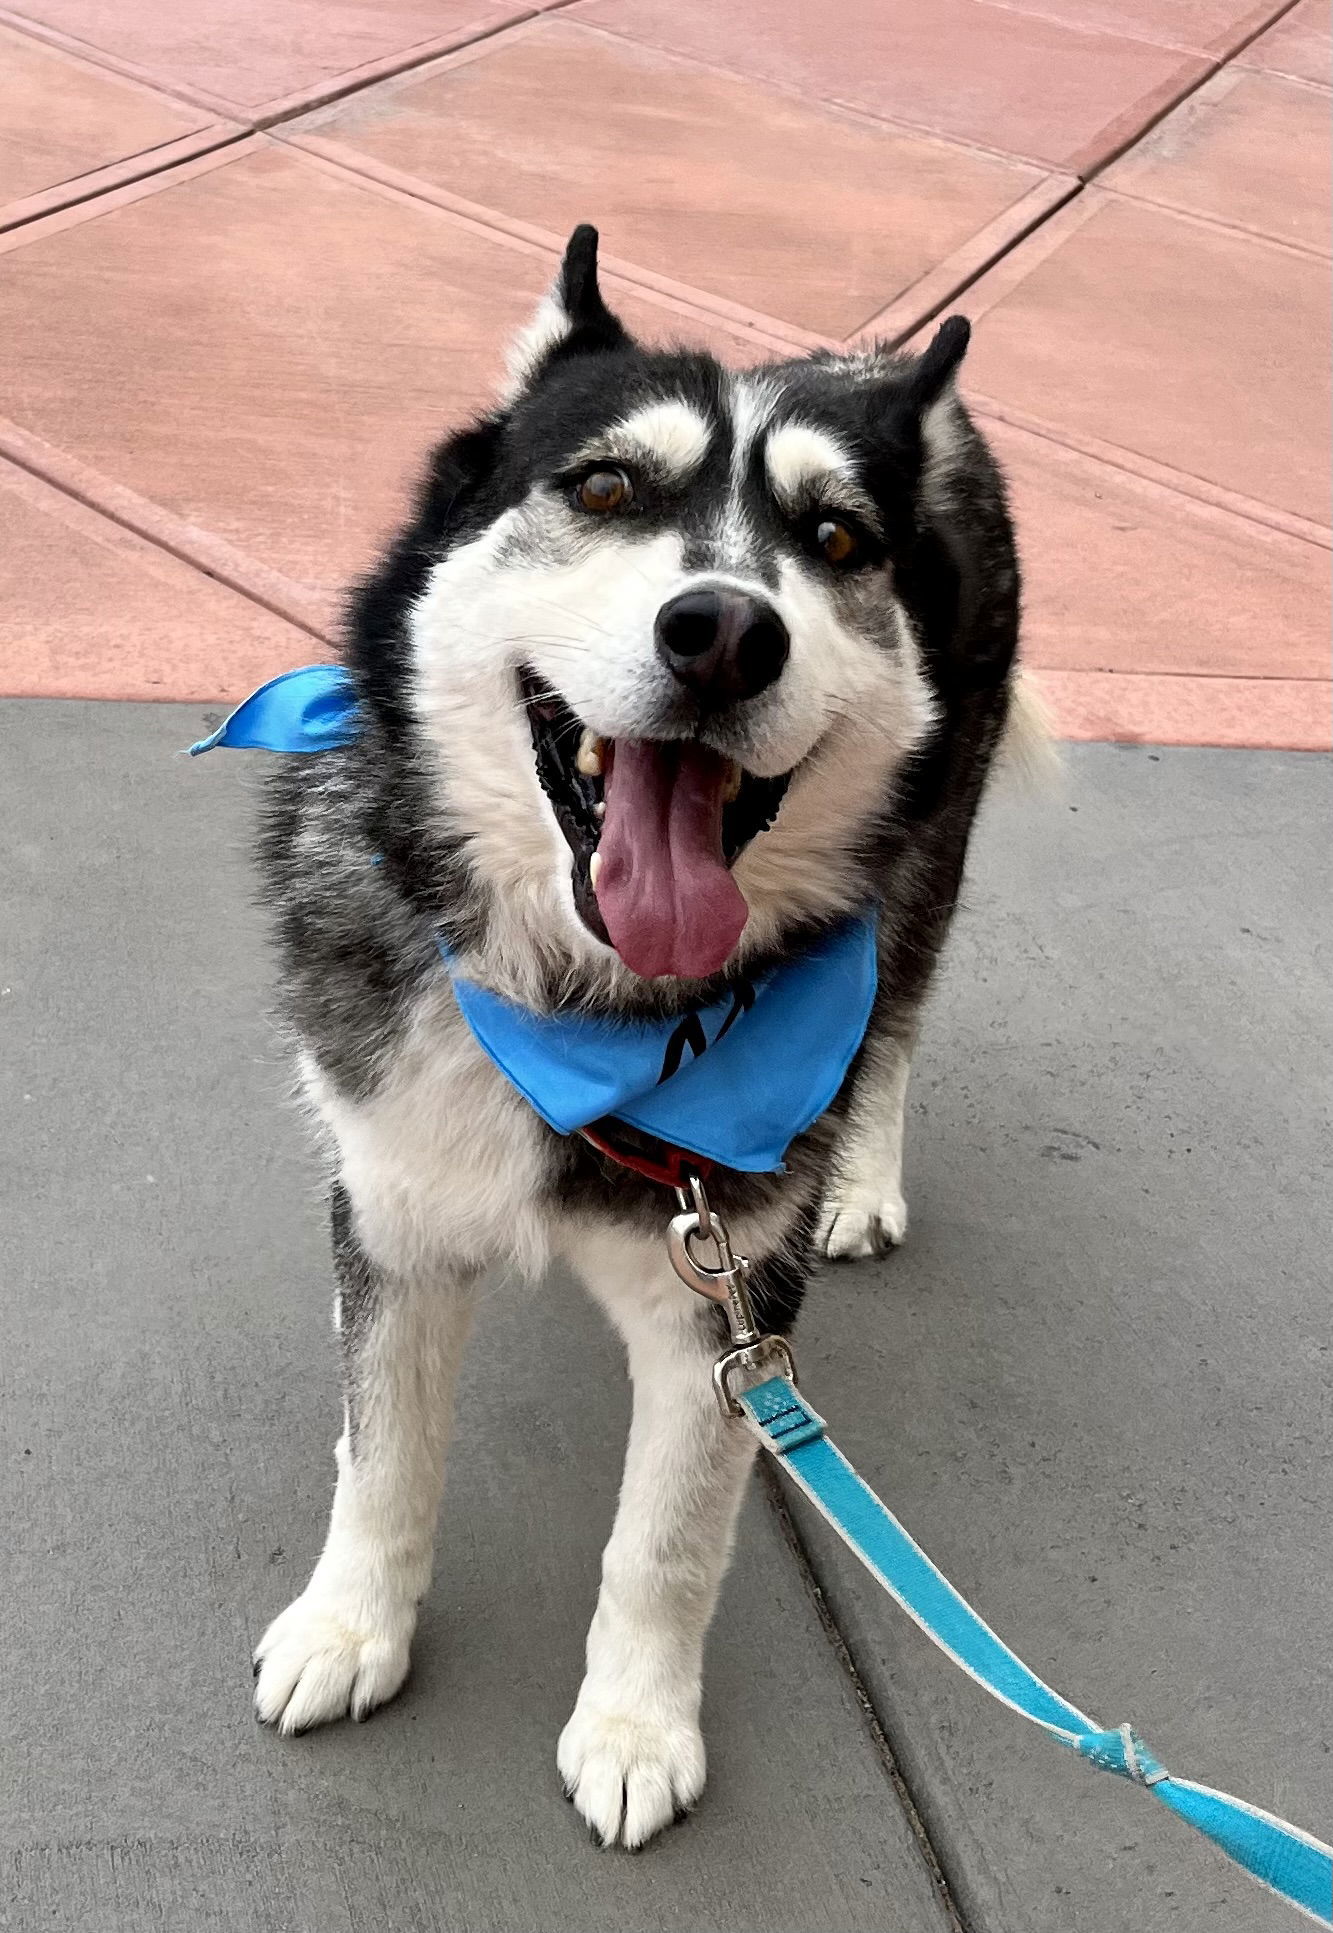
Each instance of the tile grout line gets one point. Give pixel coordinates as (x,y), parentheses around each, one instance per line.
(245,125)
(1207,219)
(1163,476)
(874,1727)
(310,103)
(164,540)
(1247,40)
(897,336)
(66,194)
(1216,66)
(106,62)
(1167,46)
(280,108)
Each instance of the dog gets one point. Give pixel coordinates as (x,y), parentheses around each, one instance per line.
(673,669)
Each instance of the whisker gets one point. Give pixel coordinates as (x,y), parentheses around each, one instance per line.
(849,714)
(579,617)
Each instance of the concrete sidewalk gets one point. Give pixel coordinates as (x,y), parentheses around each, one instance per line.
(1095,1383)
(171,1401)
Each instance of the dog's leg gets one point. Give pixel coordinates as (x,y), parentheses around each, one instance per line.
(632,1755)
(865,1211)
(342,1646)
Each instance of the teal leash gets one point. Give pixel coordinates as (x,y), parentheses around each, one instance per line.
(1291,1863)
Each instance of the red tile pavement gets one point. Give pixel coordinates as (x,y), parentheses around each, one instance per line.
(1013,81)
(129,620)
(1249,148)
(1301,45)
(257,57)
(1153,615)
(107,129)
(1197,347)
(1280,713)
(492,126)
(334,327)
(1213,27)
(1122,574)
(227,371)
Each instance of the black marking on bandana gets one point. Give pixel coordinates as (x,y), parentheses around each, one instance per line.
(742,999)
(690,1033)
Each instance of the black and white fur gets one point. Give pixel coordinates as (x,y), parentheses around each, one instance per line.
(886,716)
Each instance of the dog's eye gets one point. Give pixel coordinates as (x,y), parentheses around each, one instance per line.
(605,490)
(837,544)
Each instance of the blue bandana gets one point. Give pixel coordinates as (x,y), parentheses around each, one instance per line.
(735,1082)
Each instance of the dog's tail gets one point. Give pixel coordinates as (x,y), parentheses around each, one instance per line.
(1028,755)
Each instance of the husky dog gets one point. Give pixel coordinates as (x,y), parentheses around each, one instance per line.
(673,669)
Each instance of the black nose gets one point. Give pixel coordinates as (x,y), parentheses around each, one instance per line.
(723,644)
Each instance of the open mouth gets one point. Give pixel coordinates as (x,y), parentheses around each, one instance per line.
(654,827)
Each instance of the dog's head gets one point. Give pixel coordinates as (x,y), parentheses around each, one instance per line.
(661,661)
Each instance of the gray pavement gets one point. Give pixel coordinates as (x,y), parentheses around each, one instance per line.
(1095,1384)
(1098,1380)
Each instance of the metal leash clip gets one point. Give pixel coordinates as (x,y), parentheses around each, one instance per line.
(727,1284)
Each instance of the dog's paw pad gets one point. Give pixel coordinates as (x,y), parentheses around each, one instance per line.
(314,1665)
(862,1222)
(630,1775)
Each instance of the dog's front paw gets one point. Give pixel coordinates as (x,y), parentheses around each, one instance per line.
(859,1221)
(321,1659)
(630,1773)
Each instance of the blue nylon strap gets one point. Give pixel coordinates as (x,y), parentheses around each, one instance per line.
(1292,1864)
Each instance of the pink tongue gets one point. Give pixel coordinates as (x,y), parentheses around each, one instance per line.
(669,903)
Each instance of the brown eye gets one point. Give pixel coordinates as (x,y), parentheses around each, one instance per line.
(605,490)
(837,543)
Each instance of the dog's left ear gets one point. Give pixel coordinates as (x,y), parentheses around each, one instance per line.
(571,320)
(917,407)
(937,365)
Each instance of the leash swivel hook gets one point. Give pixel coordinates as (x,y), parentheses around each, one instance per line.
(751,1351)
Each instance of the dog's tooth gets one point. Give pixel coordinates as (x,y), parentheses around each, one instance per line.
(599,810)
(732,783)
(590,754)
(594,867)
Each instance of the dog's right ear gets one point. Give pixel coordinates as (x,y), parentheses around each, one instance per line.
(571,320)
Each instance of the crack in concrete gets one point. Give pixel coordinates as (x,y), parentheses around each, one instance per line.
(879,1740)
